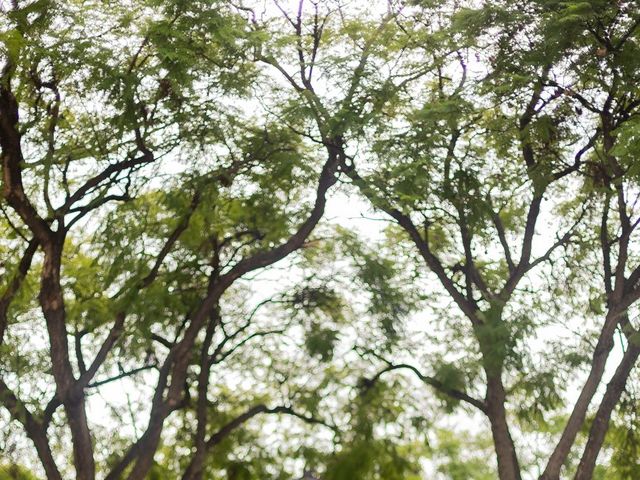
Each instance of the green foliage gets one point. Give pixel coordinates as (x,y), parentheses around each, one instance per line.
(169,142)
(460,463)
(375,460)
(365,454)
(158,472)
(452,378)
(540,394)
(321,342)
(622,438)
(16,472)
(391,300)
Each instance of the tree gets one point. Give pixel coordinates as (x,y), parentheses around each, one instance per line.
(140,192)
(86,116)
(160,158)
(447,177)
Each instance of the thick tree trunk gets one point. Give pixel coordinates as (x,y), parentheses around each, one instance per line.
(600,424)
(76,413)
(51,298)
(508,465)
(181,352)
(52,304)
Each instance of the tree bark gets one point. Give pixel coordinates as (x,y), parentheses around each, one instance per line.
(50,297)
(52,304)
(508,465)
(181,353)
(600,423)
(35,430)
(195,468)
(579,412)
(14,286)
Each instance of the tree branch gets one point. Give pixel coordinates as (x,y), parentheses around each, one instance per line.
(35,430)
(14,285)
(433,382)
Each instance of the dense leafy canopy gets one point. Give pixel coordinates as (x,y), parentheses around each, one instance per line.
(260,240)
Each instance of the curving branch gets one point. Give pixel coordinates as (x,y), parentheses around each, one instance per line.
(194,473)
(431,381)
(468,307)
(179,357)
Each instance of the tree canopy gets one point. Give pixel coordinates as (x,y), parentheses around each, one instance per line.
(319,239)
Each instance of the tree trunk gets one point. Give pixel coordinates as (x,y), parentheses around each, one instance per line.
(508,465)
(52,304)
(577,417)
(600,424)
(148,449)
(196,466)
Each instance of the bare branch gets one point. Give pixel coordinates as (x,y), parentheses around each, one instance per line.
(431,381)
